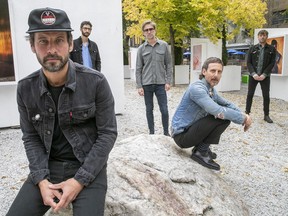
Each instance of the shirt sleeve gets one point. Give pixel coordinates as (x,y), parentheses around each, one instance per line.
(139,68)
(219,107)
(168,64)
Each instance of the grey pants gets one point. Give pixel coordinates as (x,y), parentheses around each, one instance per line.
(90,201)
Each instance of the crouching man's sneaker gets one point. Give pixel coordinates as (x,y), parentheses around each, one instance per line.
(205,160)
(268,119)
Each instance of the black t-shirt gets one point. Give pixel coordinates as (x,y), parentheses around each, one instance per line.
(61,150)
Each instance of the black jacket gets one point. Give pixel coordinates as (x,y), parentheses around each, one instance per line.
(269,59)
(76,54)
(86,117)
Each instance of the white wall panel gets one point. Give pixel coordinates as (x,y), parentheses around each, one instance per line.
(106,18)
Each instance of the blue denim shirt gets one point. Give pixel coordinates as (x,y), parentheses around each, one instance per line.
(197,103)
(86,116)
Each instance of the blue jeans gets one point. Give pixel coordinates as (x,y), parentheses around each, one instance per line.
(159,91)
(90,201)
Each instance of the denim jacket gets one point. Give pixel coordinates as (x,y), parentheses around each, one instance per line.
(196,103)
(86,116)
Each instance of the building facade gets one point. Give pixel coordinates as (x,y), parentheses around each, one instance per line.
(277,16)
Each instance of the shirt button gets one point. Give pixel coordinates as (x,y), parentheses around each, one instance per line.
(48,132)
(85,115)
(50,110)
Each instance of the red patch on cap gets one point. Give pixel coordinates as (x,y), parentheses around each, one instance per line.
(48,18)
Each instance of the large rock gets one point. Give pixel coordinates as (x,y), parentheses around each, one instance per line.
(150,175)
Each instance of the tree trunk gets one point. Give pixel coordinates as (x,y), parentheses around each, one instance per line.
(172,42)
(224,48)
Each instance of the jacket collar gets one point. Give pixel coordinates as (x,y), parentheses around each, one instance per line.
(204,81)
(70,83)
(259,45)
(81,42)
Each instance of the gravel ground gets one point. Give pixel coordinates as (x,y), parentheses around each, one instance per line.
(254,163)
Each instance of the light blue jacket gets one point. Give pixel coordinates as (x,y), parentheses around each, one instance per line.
(197,103)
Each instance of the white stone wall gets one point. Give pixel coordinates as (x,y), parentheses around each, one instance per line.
(107,33)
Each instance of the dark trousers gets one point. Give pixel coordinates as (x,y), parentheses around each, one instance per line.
(159,91)
(265,87)
(206,130)
(90,201)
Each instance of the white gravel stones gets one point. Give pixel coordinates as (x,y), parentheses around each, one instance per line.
(254,163)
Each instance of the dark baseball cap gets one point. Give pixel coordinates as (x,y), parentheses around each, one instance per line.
(48,19)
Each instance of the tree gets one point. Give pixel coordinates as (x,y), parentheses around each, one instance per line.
(175,20)
(125,42)
(216,16)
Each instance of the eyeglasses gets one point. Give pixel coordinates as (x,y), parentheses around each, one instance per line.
(149,29)
(85,28)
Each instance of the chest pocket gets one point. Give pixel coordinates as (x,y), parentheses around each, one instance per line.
(81,115)
(76,50)
(160,55)
(37,118)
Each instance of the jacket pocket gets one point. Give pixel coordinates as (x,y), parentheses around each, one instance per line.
(37,118)
(82,114)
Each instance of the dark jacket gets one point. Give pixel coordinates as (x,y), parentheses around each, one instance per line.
(76,54)
(269,59)
(86,117)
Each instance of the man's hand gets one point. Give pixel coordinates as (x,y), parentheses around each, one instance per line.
(247,122)
(256,77)
(70,190)
(262,77)
(167,87)
(259,78)
(48,194)
(141,91)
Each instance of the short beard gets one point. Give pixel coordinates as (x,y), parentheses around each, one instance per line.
(83,34)
(53,67)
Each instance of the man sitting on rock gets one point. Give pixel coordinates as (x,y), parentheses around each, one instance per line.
(203,115)
(68,122)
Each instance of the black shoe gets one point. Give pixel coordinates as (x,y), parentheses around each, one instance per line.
(205,160)
(268,119)
(167,134)
(213,155)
